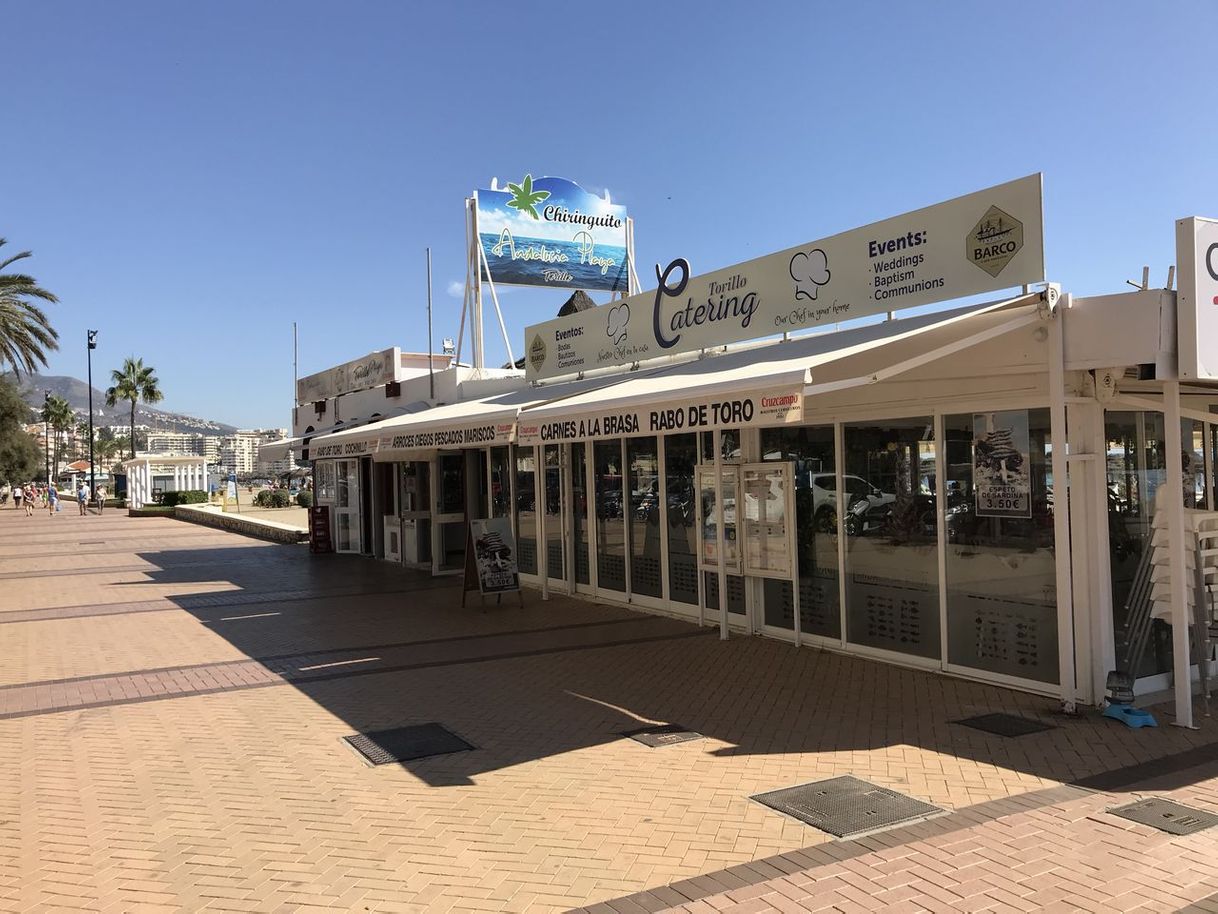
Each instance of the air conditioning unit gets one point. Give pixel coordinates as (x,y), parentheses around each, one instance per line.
(393,389)
(319,407)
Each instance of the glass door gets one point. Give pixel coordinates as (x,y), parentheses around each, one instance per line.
(552,518)
(610,525)
(448,540)
(579,514)
(416,513)
(346,507)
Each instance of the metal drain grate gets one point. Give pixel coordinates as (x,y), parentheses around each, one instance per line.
(406,743)
(846,806)
(1167,816)
(667,735)
(1006,724)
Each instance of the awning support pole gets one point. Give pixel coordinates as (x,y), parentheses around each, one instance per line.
(720,532)
(1174,492)
(1061,510)
(539,507)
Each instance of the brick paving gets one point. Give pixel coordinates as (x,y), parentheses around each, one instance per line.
(172,714)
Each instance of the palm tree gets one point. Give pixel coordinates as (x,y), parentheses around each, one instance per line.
(25,333)
(134,382)
(57,413)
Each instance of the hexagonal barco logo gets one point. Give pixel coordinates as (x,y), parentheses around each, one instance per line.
(994,241)
(537,352)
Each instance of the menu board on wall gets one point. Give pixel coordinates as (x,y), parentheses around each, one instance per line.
(1001,464)
(767,537)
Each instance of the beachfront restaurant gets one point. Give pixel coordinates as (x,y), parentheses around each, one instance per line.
(973,491)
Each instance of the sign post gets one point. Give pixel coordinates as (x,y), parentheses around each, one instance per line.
(490,559)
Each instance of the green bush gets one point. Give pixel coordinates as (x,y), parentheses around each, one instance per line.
(304,498)
(187,497)
(273,498)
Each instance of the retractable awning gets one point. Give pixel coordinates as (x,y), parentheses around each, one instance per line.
(763,385)
(479,422)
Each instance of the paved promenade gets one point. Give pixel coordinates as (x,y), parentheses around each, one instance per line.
(173,700)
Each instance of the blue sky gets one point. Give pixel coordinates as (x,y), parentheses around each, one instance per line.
(194,177)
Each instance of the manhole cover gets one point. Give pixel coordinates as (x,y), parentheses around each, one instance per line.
(667,735)
(406,743)
(1005,724)
(1167,816)
(846,806)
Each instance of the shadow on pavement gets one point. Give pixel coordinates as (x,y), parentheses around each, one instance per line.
(380,646)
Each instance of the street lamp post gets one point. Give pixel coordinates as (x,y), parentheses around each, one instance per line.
(92,471)
(46,433)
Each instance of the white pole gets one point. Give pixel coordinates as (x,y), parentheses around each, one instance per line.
(431,371)
(495,299)
(543,570)
(1061,509)
(720,532)
(1174,493)
(475,324)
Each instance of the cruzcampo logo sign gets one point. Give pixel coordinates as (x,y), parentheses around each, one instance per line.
(551,232)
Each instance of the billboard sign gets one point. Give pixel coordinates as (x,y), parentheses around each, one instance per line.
(989,240)
(551,232)
(372,370)
(1197,298)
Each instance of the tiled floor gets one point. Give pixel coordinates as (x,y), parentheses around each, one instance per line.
(172,713)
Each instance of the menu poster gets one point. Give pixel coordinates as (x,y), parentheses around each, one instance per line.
(495,555)
(1001,464)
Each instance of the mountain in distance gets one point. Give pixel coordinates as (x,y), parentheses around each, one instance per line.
(76,392)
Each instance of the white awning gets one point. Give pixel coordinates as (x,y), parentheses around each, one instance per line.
(762,385)
(279,450)
(480,422)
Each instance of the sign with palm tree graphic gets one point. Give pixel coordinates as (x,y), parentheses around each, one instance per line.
(551,232)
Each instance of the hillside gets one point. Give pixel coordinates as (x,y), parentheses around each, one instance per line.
(76,392)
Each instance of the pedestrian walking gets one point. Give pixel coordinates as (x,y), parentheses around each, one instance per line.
(52,499)
(82,498)
(101,498)
(29,500)
(18,496)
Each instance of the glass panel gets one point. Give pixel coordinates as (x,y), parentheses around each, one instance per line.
(478,466)
(811,449)
(1001,571)
(342,475)
(643,462)
(680,456)
(730,450)
(416,488)
(501,482)
(343,523)
(610,525)
(1192,435)
(579,513)
(1136,468)
(526,506)
(450,486)
(552,521)
(891,549)
(324,473)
